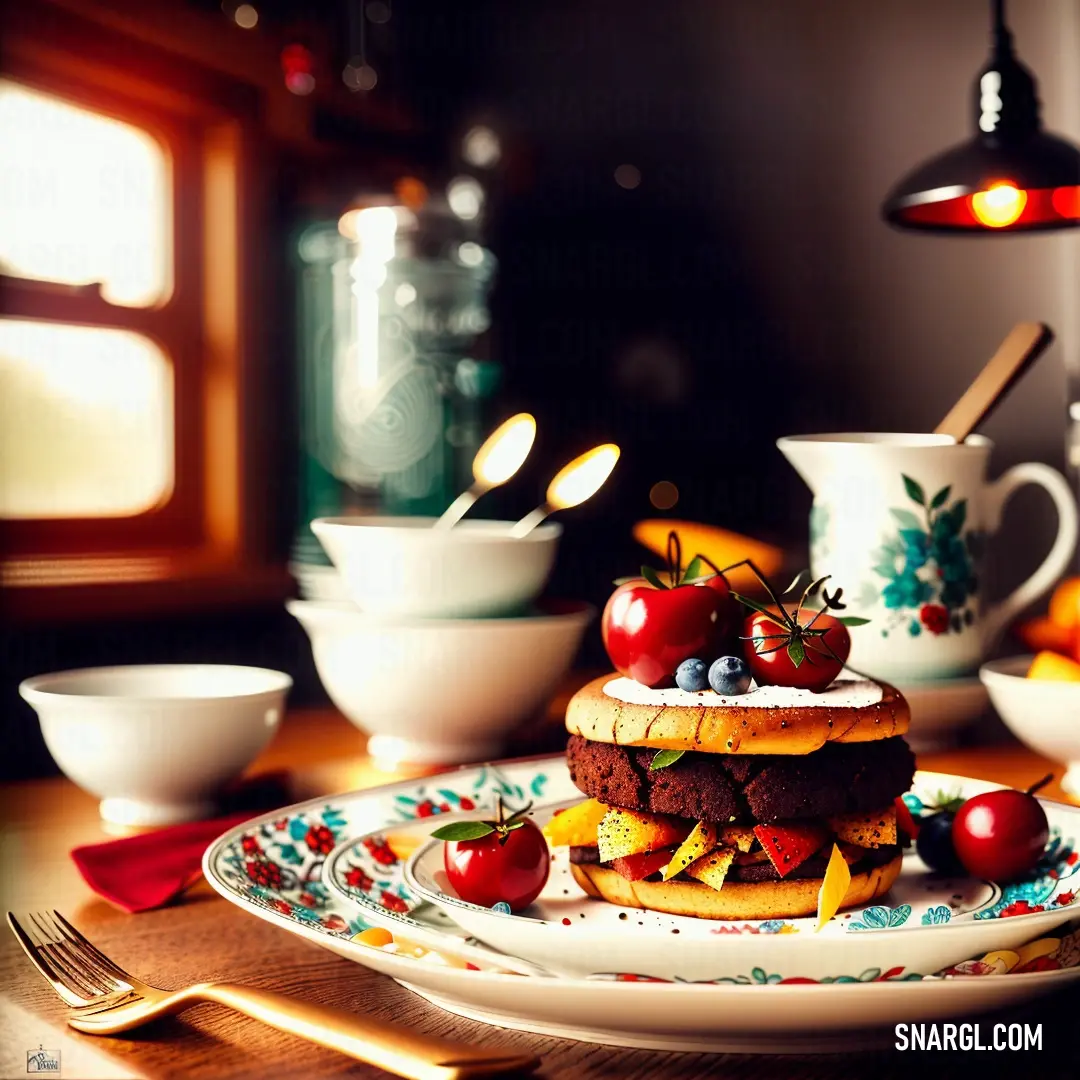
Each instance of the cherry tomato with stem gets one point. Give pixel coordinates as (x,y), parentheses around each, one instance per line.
(488,862)
(1000,835)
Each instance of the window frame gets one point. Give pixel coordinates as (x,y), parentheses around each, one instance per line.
(208,541)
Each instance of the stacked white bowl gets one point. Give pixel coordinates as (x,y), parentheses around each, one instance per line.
(443,650)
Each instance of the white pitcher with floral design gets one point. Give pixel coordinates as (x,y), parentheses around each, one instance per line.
(901,522)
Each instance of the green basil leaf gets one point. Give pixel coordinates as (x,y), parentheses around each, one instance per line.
(852,620)
(796,652)
(663,758)
(464,830)
(652,577)
(914,490)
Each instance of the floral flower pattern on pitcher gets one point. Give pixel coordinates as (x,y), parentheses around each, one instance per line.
(930,565)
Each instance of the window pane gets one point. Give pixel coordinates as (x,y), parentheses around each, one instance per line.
(83,198)
(86,424)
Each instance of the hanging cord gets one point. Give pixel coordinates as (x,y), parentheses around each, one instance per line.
(1002,34)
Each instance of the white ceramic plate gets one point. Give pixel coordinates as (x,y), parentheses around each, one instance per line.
(941,709)
(924,924)
(272,866)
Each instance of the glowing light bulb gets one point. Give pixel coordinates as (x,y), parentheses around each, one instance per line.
(1000,205)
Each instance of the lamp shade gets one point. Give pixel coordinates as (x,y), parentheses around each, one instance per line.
(976,187)
(1012,176)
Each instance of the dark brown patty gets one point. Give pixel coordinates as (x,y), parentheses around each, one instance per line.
(814,867)
(746,789)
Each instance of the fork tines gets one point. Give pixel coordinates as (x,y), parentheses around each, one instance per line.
(79,973)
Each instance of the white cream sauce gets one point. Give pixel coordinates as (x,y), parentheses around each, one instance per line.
(849,693)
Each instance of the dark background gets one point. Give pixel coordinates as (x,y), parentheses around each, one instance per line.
(745,289)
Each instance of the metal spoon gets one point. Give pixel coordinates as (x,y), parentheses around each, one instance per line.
(572,485)
(504,452)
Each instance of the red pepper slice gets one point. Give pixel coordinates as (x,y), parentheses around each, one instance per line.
(636,867)
(790,843)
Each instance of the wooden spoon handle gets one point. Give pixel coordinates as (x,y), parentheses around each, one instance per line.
(1025,344)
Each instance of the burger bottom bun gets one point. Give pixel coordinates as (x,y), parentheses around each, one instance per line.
(737,899)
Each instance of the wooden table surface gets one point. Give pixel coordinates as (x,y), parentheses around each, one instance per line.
(205,938)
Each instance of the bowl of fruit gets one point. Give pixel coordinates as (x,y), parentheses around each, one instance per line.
(1038,699)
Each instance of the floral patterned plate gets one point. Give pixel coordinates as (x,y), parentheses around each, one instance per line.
(925,923)
(272,867)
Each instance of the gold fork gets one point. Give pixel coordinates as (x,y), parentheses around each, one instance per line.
(107,1000)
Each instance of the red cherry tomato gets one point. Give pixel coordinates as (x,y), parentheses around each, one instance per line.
(486,871)
(1000,835)
(649,632)
(773,665)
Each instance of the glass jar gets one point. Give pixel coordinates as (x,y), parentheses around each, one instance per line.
(391,301)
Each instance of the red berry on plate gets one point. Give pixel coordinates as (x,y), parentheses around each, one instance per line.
(1001,834)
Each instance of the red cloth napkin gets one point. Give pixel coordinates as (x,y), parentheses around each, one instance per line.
(149,870)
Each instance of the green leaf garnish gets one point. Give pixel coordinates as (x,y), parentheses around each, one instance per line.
(652,577)
(695,570)
(464,830)
(796,651)
(940,498)
(663,758)
(914,490)
(942,801)
(852,620)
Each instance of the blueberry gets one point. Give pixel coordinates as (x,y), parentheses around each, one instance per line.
(935,844)
(692,675)
(729,676)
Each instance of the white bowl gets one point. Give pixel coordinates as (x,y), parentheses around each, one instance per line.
(941,709)
(433,690)
(402,566)
(156,742)
(1041,714)
(319,583)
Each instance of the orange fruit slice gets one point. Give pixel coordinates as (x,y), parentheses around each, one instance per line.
(1052,667)
(1065,604)
(718,545)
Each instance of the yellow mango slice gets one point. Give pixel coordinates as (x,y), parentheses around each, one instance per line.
(1034,949)
(700,842)
(833,889)
(576,826)
(720,546)
(740,836)
(628,832)
(712,868)
(867,829)
(1051,667)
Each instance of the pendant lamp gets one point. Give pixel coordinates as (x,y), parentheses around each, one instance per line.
(1012,176)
